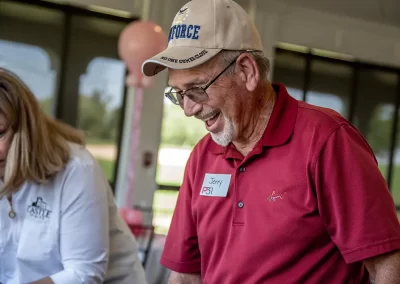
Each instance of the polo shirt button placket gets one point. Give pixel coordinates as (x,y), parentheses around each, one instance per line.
(239,217)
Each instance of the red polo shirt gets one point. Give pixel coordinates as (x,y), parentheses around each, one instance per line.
(307,205)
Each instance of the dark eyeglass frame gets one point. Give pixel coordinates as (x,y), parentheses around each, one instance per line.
(196,94)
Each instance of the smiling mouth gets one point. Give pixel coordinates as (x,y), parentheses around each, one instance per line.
(211,120)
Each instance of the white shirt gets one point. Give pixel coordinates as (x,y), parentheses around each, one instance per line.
(68,229)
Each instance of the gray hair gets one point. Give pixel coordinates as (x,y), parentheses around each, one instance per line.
(227,56)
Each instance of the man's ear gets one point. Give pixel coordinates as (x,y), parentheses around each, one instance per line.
(248,71)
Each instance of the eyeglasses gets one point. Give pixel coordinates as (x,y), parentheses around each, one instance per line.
(196,94)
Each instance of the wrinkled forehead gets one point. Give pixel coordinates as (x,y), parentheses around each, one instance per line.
(188,78)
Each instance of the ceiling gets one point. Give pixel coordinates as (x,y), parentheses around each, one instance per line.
(380,11)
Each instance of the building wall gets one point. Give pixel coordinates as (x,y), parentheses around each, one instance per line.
(277,22)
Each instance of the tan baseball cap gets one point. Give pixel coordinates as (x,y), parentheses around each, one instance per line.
(200,30)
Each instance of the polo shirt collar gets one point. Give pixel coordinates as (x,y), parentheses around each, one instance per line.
(280,126)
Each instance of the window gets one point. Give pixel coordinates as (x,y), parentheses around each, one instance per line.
(35,59)
(289,69)
(374,112)
(179,134)
(330,86)
(101,94)
(366,94)
(99,79)
(33,65)
(72,67)
(395,181)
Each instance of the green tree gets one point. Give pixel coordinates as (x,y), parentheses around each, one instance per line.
(47,105)
(93,115)
(100,123)
(112,121)
(179,130)
(379,134)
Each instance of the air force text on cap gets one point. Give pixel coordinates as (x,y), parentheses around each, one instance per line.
(183,31)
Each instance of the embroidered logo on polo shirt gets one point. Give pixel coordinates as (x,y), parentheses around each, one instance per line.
(276,196)
(38,209)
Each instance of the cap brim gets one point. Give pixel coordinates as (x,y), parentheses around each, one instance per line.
(178,58)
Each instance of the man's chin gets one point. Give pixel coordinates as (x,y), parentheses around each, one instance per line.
(224,137)
(221,139)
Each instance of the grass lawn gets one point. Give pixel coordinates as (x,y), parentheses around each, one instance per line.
(163,203)
(97,141)
(395,186)
(164,200)
(108,167)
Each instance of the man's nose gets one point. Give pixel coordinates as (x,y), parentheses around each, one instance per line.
(190,107)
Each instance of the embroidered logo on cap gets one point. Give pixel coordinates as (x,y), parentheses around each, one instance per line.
(179,30)
(186,60)
(181,16)
(181,11)
(183,31)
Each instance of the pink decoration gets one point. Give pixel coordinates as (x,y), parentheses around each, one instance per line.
(134,152)
(133,218)
(139,41)
(143,82)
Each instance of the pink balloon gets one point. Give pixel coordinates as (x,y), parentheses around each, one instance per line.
(132,80)
(147,81)
(131,216)
(134,217)
(139,41)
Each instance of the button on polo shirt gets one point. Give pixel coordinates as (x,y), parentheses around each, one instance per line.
(305,210)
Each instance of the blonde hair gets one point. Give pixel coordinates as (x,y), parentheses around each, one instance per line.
(39,147)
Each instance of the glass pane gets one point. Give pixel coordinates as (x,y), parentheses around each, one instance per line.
(163,205)
(330,86)
(179,134)
(35,59)
(376,93)
(289,70)
(395,184)
(101,94)
(94,67)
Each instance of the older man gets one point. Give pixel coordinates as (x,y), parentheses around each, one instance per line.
(280,191)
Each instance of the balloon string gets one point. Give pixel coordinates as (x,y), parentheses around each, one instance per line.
(134,149)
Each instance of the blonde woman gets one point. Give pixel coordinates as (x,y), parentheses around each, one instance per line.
(58,220)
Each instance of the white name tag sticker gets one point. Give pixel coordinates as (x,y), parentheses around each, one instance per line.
(215,185)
